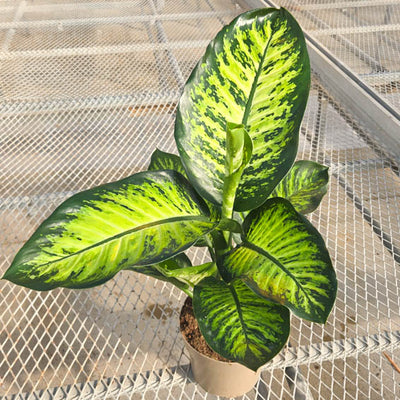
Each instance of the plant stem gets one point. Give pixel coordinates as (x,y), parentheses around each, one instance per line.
(221,246)
(229,194)
(230,186)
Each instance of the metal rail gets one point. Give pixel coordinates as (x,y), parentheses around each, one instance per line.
(356,29)
(143,99)
(75,6)
(115,20)
(151,380)
(162,38)
(345,4)
(10,34)
(382,37)
(102,50)
(366,214)
(366,105)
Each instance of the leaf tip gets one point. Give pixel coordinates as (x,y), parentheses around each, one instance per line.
(8,275)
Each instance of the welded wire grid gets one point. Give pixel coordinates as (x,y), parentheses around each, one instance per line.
(364,35)
(88,91)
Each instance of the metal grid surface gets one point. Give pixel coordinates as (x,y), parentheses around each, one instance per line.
(362,35)
(88,91)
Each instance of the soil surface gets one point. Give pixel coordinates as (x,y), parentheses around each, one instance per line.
(190,329)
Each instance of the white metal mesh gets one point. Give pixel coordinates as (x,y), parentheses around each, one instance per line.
(88,91)
(363,35)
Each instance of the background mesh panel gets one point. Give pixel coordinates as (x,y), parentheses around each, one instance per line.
(88,90)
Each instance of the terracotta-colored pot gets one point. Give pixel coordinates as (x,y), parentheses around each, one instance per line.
(228,379)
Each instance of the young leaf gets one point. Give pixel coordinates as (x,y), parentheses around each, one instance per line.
(284,259)
(256,73)
(238,324)
(304,186)
(239,148)
(141,220)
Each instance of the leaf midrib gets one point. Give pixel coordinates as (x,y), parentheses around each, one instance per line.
(266,254)
(240,313)
(254,84)
(125,233)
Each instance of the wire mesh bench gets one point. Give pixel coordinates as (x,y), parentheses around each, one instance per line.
(88,91)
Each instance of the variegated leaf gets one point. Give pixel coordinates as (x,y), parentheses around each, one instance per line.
(284,259)
(304,186)
(238,324)
(256,73)
(161,160)
(144,219)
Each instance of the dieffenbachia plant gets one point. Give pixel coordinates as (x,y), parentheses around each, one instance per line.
(235,188)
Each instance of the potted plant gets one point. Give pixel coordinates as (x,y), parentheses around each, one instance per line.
(235,189)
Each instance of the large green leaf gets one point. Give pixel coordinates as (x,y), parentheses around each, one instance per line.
(256,73)
(304,186)
(284,258)
(140,220)
(238,324)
